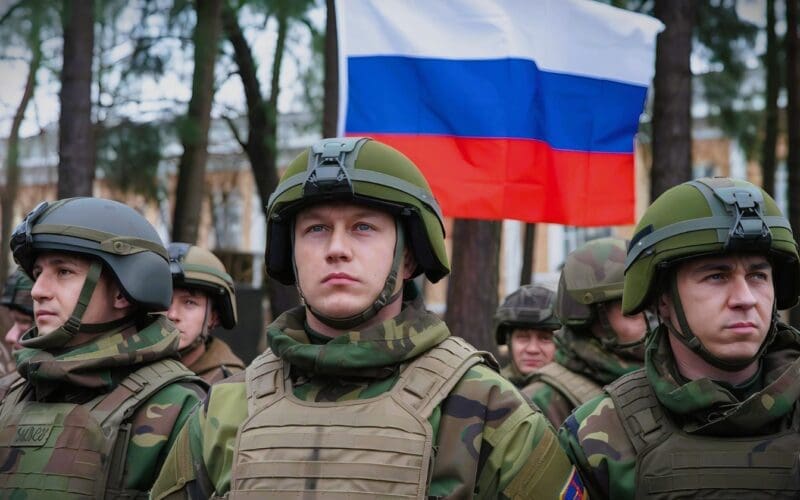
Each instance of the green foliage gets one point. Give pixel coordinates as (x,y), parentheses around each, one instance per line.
(128,156)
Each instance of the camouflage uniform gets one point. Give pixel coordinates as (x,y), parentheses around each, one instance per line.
(531,306)
(17,296)
(732,441)
(488,441)
(592,276)
(56,437)
(195,268)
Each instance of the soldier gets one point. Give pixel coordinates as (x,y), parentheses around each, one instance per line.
(597,344)
(202,298)
(714,413)
(100,394)
(525,321)
(17,299)
(361,395)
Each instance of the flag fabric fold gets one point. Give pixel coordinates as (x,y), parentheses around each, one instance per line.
(513,109)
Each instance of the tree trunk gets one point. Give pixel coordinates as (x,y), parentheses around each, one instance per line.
(194,130)
(8,193)
(528,251)
(672,122)
(261,145)
(472,289)
(793,120)
(330,110)
(768,154)
(75,135)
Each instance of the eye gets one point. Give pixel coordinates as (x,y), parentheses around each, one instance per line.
(363,226)
(315,228)
(64,272)
(761,276)
(714,277)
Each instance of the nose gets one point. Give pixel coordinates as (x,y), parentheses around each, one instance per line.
(42,289)
(13,335)
(172,313)
(533,346)
(741,295)
(338,246)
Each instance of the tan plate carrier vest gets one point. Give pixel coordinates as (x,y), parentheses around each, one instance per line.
(66,447)
(359,449)
(577,388)
(671,463)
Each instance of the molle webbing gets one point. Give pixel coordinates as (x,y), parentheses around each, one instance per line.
(356,449)
(671,463)
(577,388)
(84,447)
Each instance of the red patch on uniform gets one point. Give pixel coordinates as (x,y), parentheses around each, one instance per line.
(574,489)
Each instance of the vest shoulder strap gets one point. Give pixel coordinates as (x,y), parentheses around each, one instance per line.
(577,388)
(640,412)
(429,378)
(264,380)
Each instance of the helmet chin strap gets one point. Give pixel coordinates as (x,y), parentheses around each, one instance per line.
(63,334)
(688,338)
(384,298)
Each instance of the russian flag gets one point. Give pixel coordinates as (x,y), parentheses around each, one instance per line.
(513,109)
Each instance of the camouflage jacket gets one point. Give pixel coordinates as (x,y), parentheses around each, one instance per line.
(217,362)
(7,364)
(583,354)
(595,439)
(484,431)
(80,373)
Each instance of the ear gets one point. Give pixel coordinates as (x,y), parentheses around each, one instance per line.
(120,301)
(213,319)
(409,263)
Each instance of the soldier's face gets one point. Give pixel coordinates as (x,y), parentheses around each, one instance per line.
(21,324)
(727,301)
(58,281)
(189,311)
(628,328)
(343,254)
(531,348)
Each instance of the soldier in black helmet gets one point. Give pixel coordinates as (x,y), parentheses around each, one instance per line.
(16,298)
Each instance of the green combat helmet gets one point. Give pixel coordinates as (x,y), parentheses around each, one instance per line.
(105,231)
(17,293)
(531,306)
(364,171)
(593,274)
(708,217)
(196,268)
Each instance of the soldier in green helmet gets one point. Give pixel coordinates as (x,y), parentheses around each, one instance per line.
(362,394)
(203,297)
(100,394)
(714,413)
(526,323)
(17,299)
(598,344)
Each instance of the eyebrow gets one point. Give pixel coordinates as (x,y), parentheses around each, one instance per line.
(716,266)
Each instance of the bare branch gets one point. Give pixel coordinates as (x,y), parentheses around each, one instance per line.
(235,131)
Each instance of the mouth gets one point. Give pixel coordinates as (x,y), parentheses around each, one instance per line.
(44,314)
(742,325)
(334,278)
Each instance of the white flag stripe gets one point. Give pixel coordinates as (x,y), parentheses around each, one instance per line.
(580,37)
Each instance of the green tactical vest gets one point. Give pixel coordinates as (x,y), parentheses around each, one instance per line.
(361,449)
(576,388)
(671,463)
(76,450)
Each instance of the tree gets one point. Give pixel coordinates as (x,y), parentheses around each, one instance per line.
(261,143)
(194,127)
(75,134)
(8,193)
(472,289)
(793,119)
(773,70)
(672,83)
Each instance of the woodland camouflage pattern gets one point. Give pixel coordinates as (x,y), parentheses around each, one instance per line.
(7,364)
(81,373)
(490,442)
(583,354)
(597,443)
(217,362)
